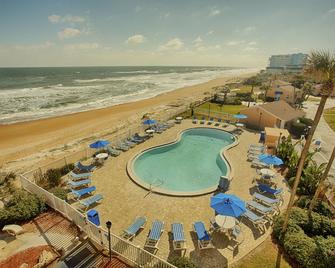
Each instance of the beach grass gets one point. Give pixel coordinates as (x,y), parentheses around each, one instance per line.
(230,109)
(267,255)
(329,115)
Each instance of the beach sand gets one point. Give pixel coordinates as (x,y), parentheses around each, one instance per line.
(24,144)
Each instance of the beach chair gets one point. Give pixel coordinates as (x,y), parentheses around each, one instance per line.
(129,143)
(224,184)
(157,129)
(121,147)
(214,226)
(211,121)
(218,123)
(84,168)
(77,194)
(235,235)
(263,188)
(76,184)
(202,121)
(252,157)
(13,229)
(113,152)
(264,210)
(133,229)
(154,235)
(86,203)
(257,221)
(258,164)
(256,146)
(144,137)
(204,239)
(195,120)
(81,176)
(267,200)
(179,241)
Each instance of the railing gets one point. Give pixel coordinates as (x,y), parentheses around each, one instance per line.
(125,249)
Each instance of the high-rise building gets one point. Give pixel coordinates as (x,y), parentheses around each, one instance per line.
(287,63)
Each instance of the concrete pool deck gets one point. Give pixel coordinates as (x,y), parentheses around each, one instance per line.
(124,201)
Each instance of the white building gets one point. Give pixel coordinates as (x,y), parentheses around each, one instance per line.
(287,63)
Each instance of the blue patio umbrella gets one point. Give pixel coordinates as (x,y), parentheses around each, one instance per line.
(270,159)
(99,144)
(228,205)
(149,122)
(240,116)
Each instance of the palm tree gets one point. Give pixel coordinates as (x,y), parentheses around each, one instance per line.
(265,88)
(321,65)
(253,82)
(321,183)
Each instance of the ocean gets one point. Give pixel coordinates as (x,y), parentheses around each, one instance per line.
(33,93)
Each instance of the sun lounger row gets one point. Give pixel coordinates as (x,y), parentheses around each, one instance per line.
(210,122)
(82,168)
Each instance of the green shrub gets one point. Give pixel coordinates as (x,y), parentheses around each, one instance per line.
(182,262)
(269,99)
(21,207)
(244,96)
(59,192)
(233,101)
(306,121)
(53,177)
(321,207)
(66,169)
(324,253)
(298,129)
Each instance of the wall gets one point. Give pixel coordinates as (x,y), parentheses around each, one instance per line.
(257,121)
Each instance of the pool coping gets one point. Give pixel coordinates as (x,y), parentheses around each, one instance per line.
(223,154)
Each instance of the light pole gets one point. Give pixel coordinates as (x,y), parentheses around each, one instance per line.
(109,225)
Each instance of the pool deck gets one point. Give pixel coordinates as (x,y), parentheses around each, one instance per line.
(124,200)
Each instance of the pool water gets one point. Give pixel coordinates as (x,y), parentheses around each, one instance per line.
(190,165)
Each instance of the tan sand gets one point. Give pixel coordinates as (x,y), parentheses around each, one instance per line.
(36,139)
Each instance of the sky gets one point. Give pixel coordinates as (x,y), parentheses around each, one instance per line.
(156,32)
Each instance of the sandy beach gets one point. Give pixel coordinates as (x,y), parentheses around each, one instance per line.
(24,144)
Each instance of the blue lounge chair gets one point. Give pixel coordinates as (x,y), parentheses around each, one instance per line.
(258,221)
(195,120)
(86,203)
(80,176)
(135,140)
(179,241)
(211,121)
(271,211)
(218,123)
(144,137)
(129,143)
(134,228)
(80,193)
(204,239)
(113,152)
(84,168)
(154,235)
(202,121)
(76,184)
(263,188)
(267,200)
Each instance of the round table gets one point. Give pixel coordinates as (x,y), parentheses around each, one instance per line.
(101,157)
(267,172)
(225,222)
(239,124)
(178,119)
(150,132)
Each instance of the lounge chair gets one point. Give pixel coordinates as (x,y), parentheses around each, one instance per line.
(263,188)
(84,168)
(236,235)
(252,157)
(218,122)
(121,147)
(224,184)
(157,129)
(267,200)
(264,210)
(258,221)
(202,121)
(113,152)
(129,143)
(76,184)
(258,164)
(133,229)
(144,137)
(13,229)
(77,194)
(211,121)
(254,146)
(80,176)
(179,241)
(214,226)
(136,140)
(154,235)
(86,203)
(195,120)
(204,239)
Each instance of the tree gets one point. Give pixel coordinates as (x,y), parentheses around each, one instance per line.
(265,88)
(321,183)
(321,65)
(253,81)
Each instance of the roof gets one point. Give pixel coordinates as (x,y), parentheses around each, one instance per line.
(281,110)
(276,132)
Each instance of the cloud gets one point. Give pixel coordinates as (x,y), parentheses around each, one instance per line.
(249,29)
(235,43)
(166,15)
(66,19)
(173,44)
(82,46)
(68,33)
(44,45)
(197,41)
(135,39)
(330,11)
(250,48)
(214,12)
(210,32)
(138,9)
(252,43)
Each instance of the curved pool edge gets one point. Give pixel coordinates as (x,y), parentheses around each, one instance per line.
(158,190)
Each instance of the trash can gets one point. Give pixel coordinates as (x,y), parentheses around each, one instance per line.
(93,216)
(262,137)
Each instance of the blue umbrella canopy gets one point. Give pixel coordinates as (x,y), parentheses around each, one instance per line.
(270,159)
(228,205)
(240,116)
(99,144)
(149,122)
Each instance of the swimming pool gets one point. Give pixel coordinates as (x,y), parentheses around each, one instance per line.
(189,166)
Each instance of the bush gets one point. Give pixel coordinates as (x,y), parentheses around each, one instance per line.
(52,177)
(182,262)
(306,121)
(321,207)
(298,129)
(21,207)
(233,101)
(269,99)
(244,96)
(59,192)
